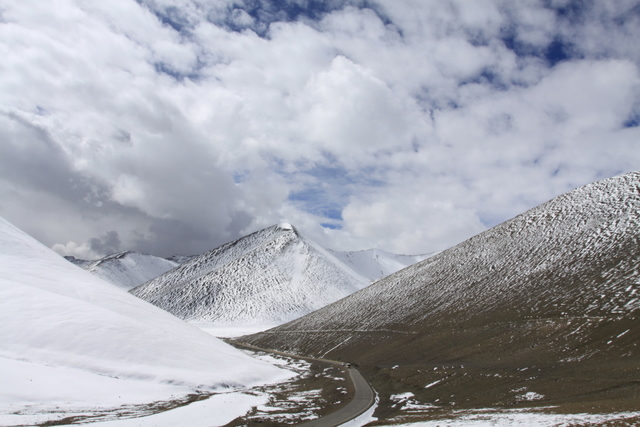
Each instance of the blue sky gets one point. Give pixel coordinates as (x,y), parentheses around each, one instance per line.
(173,126)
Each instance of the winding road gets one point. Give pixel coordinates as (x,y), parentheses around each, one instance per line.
(363,397)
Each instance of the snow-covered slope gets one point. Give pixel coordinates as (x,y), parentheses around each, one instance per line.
(270,276)
(128,269)
(77,261)
(546,304)
(72,342)
(374,264)
(181,259)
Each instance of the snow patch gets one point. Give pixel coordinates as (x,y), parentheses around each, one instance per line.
(530,396)
(433,383)
(216,410)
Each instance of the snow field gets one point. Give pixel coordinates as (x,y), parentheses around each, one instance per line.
(73,344)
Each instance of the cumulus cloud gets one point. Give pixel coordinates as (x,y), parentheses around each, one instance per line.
(173,126)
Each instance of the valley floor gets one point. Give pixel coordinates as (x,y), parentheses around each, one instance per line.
(543,417)
(314,390)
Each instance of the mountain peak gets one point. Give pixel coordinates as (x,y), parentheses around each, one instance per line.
(285,226)
(270,276)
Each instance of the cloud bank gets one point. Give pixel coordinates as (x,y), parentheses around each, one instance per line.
(173,126)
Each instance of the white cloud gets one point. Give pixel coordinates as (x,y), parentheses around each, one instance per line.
(80,251)
(352,114)
(410,222)
(418,122)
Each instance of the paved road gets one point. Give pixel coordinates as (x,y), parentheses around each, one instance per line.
(363,399)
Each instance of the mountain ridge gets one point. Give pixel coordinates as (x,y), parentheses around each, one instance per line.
(126,269)
(274,275)
(549,295)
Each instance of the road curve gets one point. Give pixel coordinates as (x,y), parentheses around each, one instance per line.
(363,397)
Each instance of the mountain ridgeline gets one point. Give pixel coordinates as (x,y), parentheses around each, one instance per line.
(126,269)
(541,310)
(374,264)
(271,276)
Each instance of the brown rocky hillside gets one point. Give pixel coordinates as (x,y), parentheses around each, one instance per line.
(541,310)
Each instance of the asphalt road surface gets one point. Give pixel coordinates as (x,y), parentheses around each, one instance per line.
(363,398)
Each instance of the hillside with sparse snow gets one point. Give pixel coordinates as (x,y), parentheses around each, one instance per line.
(76,346)
(270,276)
(541,310)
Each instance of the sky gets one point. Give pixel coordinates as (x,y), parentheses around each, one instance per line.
(174,126)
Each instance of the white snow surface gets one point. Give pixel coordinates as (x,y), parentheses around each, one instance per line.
(72,343)
(129,269)
(374,264)
(217,410)
(269,277)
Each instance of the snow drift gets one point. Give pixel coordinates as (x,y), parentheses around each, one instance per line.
(71,340)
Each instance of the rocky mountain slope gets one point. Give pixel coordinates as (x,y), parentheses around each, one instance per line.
(541,310)
(126,269)
(270,276)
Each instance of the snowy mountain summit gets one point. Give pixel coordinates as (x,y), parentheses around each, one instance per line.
(127,269)
(271,276)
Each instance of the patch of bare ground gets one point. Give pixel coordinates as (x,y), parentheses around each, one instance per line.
(319,389)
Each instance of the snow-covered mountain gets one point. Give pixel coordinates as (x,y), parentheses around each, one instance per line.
(543,309)
(127,269)
(270,276)
(74,345)
(181,259)
(77,261)
(374,264)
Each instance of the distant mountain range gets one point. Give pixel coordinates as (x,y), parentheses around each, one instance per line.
(541,310)
(374,264)
(270,276)
(126,269)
